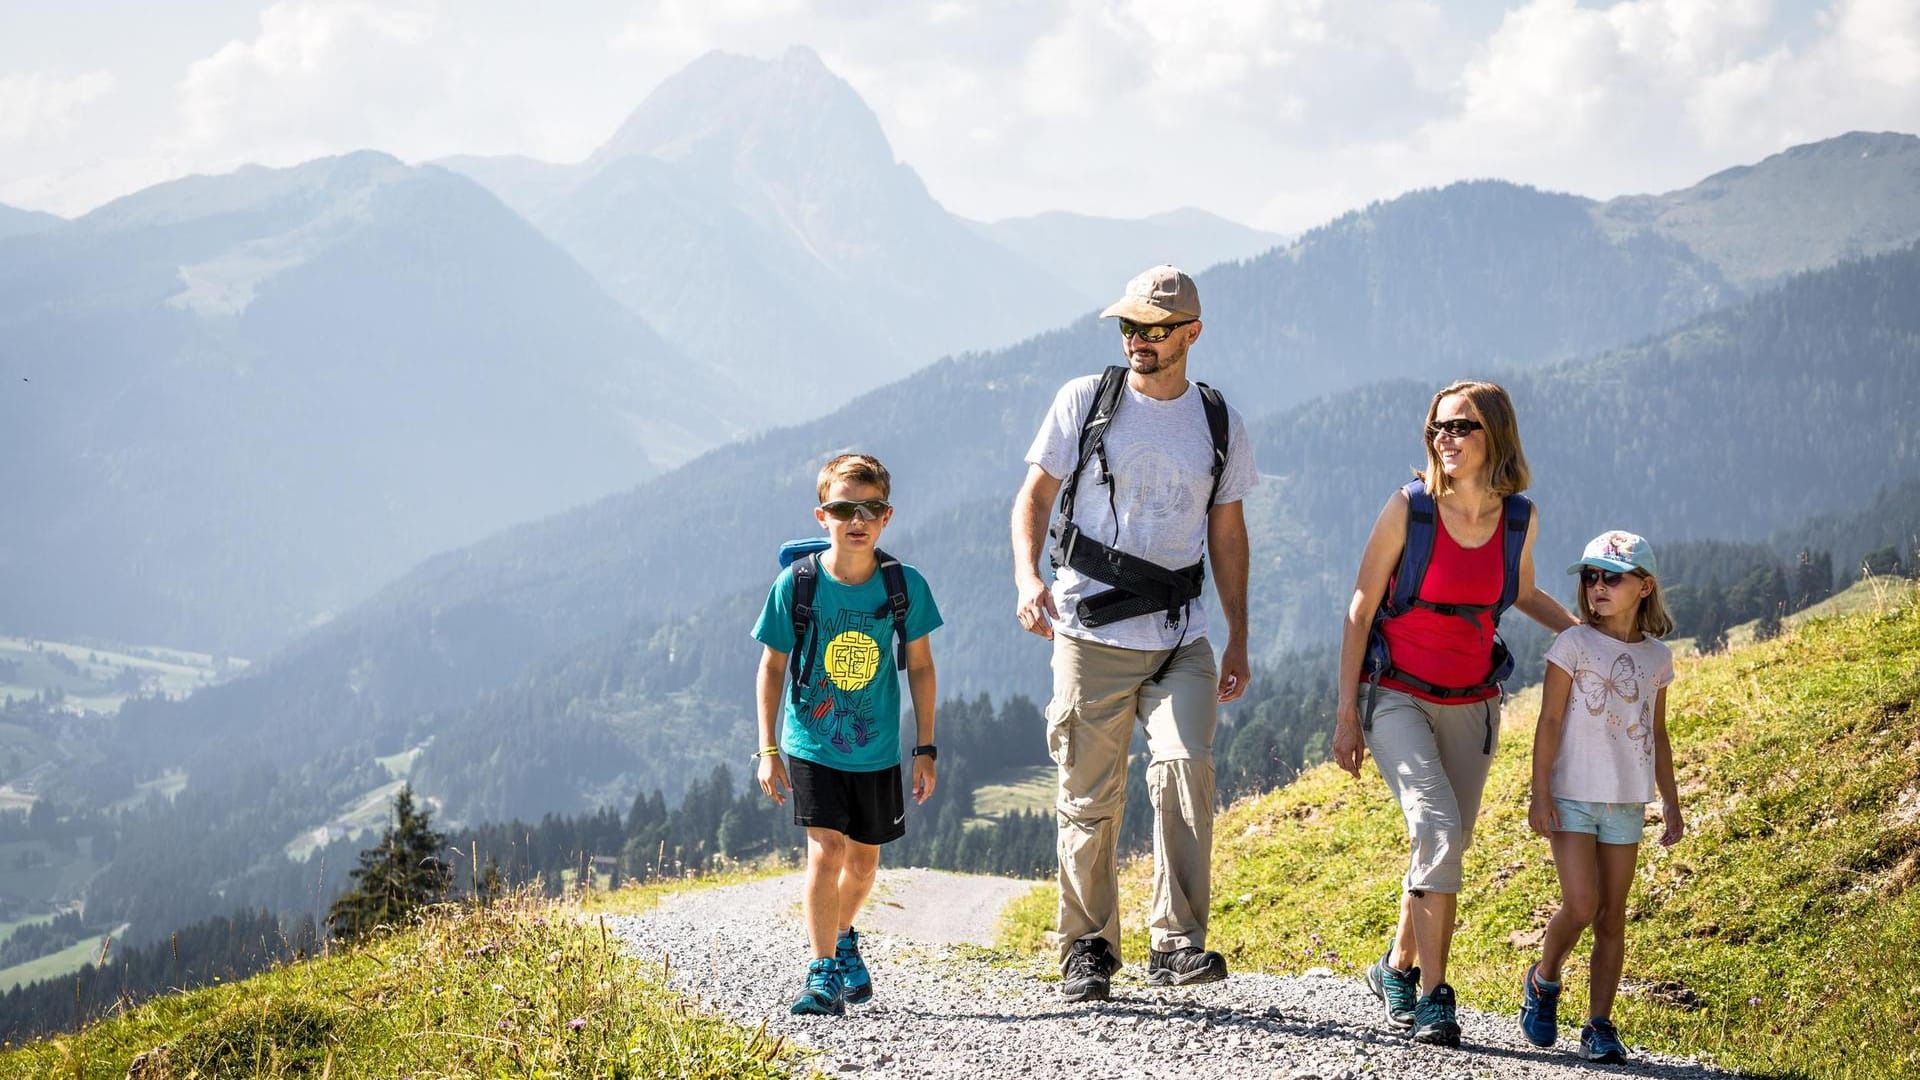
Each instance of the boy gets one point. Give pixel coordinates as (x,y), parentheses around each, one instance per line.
(841,718)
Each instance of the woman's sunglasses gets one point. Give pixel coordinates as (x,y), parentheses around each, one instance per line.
(1458,429)
(1152,334)
(845,509)
(1593,575)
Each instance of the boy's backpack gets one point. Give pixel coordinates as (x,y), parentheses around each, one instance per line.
(804,557)
(1403,594)
(1139,586)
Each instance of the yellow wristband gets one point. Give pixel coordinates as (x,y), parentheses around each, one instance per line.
(767,751)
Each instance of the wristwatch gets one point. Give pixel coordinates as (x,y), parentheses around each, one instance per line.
(928,750)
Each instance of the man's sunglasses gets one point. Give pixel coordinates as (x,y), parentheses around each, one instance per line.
(1458,429)
(1593,575)
(845,509)
(1152,334)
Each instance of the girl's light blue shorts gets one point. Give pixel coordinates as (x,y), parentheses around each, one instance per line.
(1610,823)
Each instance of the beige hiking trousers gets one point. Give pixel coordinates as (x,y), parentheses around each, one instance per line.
(1099,693)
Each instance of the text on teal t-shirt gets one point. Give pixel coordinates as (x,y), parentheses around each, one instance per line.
(848,717)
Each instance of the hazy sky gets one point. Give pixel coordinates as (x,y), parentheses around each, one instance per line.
(1280,113)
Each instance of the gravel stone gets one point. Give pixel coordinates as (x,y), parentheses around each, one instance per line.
(946,1013)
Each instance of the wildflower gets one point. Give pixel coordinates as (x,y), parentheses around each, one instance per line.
(576,1023)
(554,957)
(505,1026)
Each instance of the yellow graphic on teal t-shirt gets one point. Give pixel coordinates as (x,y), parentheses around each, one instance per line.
(852,660)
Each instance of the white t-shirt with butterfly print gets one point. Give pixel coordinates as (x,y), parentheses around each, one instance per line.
(1606,739)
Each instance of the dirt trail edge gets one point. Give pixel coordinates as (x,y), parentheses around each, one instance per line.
(939,1010)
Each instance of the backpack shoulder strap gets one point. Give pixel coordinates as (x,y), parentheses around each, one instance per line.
(1216,407)
(1422,527)
(1093,433)
(806,582)
(894,576)
(1517,514)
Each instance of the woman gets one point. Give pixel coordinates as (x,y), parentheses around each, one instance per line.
(1420,668)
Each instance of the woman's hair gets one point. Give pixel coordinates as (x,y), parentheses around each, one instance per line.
(1651,619)
(856,469)
(1507,471)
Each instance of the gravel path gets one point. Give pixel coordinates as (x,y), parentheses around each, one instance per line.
(941,1011)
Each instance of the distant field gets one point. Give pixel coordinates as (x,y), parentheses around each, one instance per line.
(1022,789)
(100,677)
(65,962)
(370,812)
(32,868)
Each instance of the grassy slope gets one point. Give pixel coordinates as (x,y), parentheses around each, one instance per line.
(525,990)
(1790,910)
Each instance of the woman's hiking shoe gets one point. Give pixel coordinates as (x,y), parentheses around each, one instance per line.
(1539,1009)
(1399,991)
(1188,966)
(824,995)
(1089,971)
(853,970)
(1433,1018)
(1600,1043)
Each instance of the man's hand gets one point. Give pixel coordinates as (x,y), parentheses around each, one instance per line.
(773,778)
(1235,673)
(1035,609)
(923,778)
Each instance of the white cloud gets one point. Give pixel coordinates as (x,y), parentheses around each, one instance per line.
(38,106)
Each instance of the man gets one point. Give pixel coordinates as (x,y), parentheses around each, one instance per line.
(1151,470)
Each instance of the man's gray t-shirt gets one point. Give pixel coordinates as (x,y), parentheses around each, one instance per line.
(1162,458)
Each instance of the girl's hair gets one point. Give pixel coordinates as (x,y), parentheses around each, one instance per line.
(1651,619)
(856,469)
(1507,471)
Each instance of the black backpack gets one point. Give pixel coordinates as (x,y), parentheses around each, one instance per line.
(804,556)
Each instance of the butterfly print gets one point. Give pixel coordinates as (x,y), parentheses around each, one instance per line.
(1622,682)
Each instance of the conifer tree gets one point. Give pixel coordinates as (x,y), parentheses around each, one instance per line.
(405,871)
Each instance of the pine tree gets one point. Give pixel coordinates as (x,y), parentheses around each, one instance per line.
(403,872)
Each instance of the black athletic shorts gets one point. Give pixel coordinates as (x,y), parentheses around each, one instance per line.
(869,807)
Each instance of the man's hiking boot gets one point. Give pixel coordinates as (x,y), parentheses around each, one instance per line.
(853,969)
(1434,1022)
(1600,1043)
(1185,967)
(1399,991)
(1089,972)
(824,995)
(1539,1008)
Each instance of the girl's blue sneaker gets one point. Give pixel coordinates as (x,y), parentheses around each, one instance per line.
(853,970)
(1600,1043)
(824,995)
(1539,1009)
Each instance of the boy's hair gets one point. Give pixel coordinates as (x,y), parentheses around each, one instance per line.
(857,469)
(1652,618)
(1507,472)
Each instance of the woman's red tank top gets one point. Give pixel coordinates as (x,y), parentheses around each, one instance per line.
(1449,650)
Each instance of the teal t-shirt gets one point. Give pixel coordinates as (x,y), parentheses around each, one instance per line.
(849,714)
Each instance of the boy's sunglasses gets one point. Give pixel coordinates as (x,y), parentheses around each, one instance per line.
(1593,575)
(1459,429)
(1152,334)
(845,509)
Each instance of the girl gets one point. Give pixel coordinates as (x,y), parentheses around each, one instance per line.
(1599,754)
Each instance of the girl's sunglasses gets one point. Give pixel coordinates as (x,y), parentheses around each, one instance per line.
(1152,334)
(1593,575)
(845,509)
(1458,429)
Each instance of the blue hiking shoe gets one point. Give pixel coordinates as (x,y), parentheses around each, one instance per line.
(1434,1021)
(853,970)
(1600,1043)
(824,995)
(1399,991)
(1539,1009)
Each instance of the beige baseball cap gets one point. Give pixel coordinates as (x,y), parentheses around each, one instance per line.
(1161,295)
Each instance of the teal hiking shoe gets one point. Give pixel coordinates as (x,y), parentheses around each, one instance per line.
(1539,1009)
(1600,1043)
(824,995)
(854,976)
(1434,1021)
(1397,990)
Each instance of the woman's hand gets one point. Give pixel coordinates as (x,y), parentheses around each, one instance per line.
(1349,749)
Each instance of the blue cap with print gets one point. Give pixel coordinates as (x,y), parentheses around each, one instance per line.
(1617,550)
